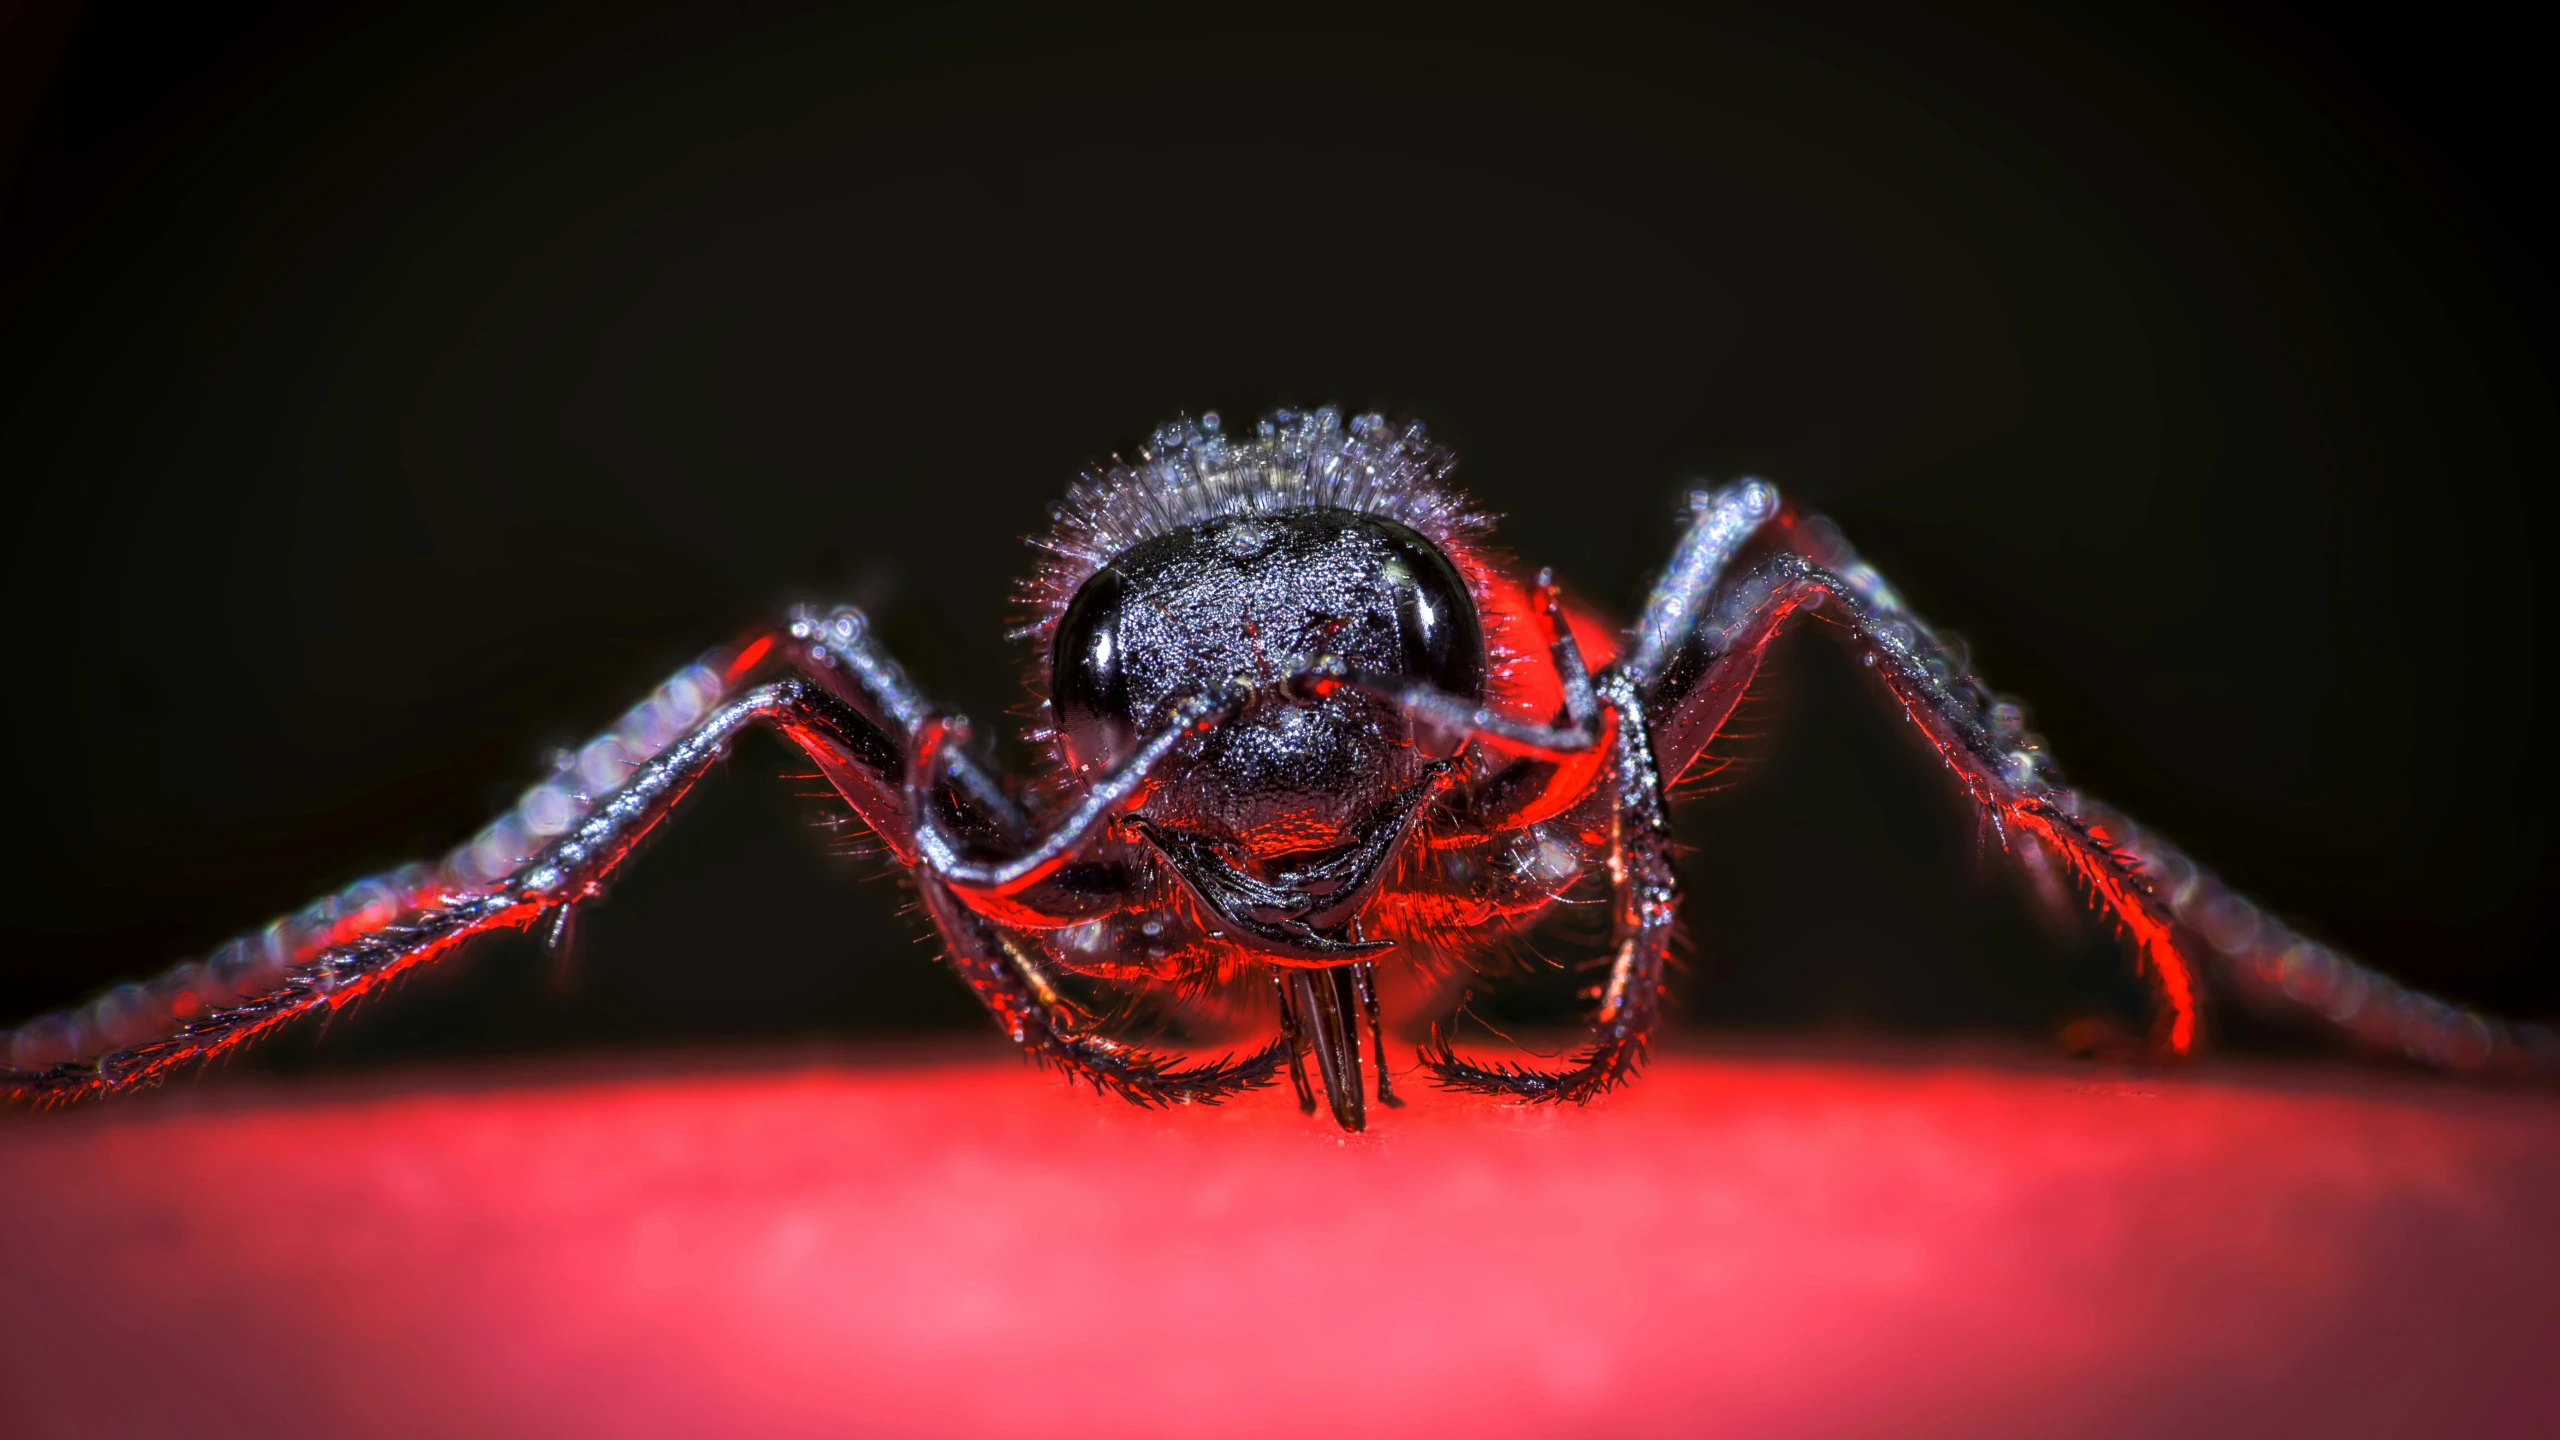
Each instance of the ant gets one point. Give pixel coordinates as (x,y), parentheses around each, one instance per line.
(1304,732)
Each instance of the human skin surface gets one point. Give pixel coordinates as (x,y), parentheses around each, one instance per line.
(929,1242)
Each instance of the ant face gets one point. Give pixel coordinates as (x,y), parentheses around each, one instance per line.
(1292,808)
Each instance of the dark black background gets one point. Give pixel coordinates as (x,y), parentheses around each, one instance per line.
(389,396)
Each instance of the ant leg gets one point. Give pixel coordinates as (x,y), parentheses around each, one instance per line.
(329,957)
(1646,891)
(2004,774)
(1647,902)
(1679,637)
(978,906)
(1442,722)
(1010,979)
(936,808)
(851,709)
(1722,522)
(1536,771)
(2260,956)
(1540,770)
(945,807)
(938,851)
(2172,908)
(836,649)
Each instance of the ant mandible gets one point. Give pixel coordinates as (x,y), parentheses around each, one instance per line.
(1302,727)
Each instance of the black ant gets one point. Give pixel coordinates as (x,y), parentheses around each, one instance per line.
(1305,732)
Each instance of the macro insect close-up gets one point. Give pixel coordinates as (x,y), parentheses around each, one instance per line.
(938,719)
(1308,739)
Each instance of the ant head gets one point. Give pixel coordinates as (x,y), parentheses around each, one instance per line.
(1260,598)
(1215,561)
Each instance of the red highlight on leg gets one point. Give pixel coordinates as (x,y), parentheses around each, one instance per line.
(2111,877)
(206,1035)
(2105,875)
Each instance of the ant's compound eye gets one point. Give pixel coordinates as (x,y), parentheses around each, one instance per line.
(1089,688)
(1435,614)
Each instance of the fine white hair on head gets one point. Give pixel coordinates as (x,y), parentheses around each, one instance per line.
(1192,472)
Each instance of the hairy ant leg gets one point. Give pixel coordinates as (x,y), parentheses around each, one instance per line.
(569,870)
(1646,897)
(2006,775)
(1021,881)
(1604,721)
(851,710)
(837,649)
(1010,977)
(2173,910)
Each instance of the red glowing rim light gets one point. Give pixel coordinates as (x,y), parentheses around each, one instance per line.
(947,1245)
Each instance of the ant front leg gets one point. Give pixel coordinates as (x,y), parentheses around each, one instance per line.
(1647,900)
(983,905)
(1605,720)
(1604,728)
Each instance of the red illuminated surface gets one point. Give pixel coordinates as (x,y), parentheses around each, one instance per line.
(948,1245)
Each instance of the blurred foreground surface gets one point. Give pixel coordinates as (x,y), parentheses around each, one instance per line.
(941,1243)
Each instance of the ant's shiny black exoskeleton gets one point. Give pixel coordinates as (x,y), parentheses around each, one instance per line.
(1305,734)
